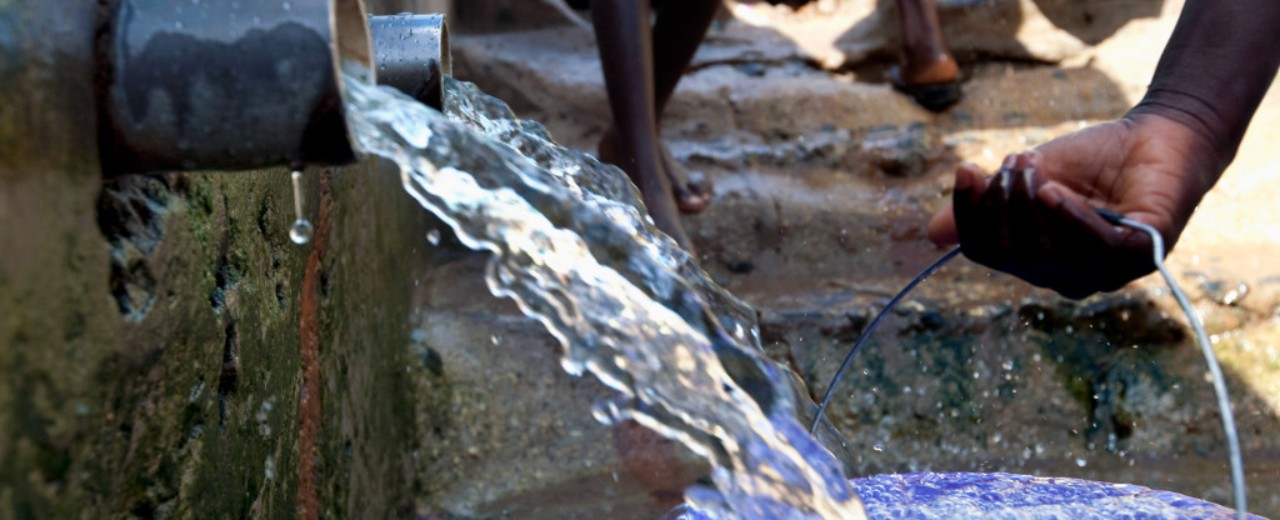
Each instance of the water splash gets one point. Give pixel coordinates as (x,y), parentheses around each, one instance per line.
(574,248)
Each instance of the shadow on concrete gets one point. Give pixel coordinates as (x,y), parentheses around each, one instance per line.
(1094,21)
(982,30)
(1006,84)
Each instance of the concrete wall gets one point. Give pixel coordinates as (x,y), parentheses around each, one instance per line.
(165,350)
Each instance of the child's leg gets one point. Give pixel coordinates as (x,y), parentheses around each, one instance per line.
(626,54)
(680,29)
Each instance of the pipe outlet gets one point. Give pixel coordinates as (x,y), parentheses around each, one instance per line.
(227,84)
(412,54)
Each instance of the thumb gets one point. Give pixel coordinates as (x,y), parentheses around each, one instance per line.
(942,228)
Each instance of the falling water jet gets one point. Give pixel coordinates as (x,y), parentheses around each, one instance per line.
(571,246)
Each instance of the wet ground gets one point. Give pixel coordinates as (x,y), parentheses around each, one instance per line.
(825,177)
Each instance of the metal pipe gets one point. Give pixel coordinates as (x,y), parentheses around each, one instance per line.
(227,84)
(412,54)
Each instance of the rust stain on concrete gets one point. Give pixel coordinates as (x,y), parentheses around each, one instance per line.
(310,412)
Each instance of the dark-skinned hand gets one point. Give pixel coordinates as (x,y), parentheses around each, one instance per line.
(1034,218)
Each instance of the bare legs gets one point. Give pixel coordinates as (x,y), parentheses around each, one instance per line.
(642,67)
(643,64)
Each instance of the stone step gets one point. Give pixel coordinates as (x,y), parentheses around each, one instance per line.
(760,93)
(813,173)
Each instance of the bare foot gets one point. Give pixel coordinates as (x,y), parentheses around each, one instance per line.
(929,68)
(692,195)
(931,80)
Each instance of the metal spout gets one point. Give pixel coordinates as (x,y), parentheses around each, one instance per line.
(223,84)
(412,54)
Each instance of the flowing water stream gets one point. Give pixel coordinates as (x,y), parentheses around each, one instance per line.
(574,248)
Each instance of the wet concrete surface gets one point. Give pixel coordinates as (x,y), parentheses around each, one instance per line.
(151,363)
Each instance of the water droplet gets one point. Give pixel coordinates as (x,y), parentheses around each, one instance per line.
(178,25)
(1081,462)
(287,7)
(433,236)
(301,231)
(878,447)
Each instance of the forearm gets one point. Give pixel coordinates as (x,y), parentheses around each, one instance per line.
(1216,69)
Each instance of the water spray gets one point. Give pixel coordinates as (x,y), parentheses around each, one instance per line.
(1202,339)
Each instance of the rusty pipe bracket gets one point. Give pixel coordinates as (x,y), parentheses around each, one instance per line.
(227,84)
(412,54)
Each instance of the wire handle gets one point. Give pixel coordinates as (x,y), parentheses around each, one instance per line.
(1211,359)
(831,389)
(1202,339)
